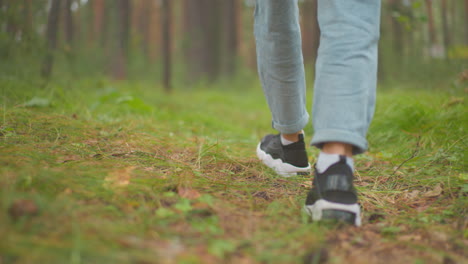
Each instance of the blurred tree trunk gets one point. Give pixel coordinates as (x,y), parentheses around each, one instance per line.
(435,50)
(466,22)
(397,28)
(123,34)
(445,28)
(202,27)
(154,36)
(411,47)
(166,43)
(69,27)
(310,31)
(79,26)
(107,25)
(453,20)
(11,18)
(144,24)
(98,20)
(212,31)
(230,33)
(430,20)
(193,43)
(27,18)
(52,30)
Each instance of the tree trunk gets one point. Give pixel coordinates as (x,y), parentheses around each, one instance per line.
(466,22)
(154,36)
(211,32)
(11,19)
(145,12)
(52,28)
(435,50)
(310,31)
(98,20)
(431,27)
(398,41)
(194,43)
(409,34)
(202,26)
(27,18)
(166,43)
(445,28)
(123,34)
(230,34)
(69,28)
(125,6)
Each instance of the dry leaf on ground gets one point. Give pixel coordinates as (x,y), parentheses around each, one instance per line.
(119,178)
(434,192)
(23,207)
(186,192)
(68,158)
(306,184)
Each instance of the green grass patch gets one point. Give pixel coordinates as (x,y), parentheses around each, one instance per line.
(100,172)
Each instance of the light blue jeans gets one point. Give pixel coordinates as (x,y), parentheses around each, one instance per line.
(345,75)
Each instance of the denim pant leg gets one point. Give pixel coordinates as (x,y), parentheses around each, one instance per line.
(346,70)
(280,63)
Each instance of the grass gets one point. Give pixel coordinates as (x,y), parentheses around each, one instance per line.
(100,172)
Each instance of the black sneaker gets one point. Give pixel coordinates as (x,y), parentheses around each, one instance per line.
(333,196)
(289,160)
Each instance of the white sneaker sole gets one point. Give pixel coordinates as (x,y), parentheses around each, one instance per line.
(316,210)
(281,168)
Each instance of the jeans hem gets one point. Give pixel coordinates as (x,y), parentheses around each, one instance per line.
(290,129)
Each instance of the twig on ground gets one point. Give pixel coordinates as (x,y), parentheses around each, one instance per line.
(413,155)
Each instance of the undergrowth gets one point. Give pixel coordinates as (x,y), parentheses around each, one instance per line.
(99,172)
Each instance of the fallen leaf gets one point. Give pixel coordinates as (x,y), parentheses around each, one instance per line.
(367,165)
(448,260)
(440,236)
(261,194)
(91,142)
(413,194)
(434,192)
(119,178)
(410,237)
(307,184)
(23,207)
(422,208)
(376,217)
(98,156)
(119,154)
(68,158)
(186,192)
(167,250)
(454,101)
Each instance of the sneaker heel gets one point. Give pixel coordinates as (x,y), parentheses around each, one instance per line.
(339,216)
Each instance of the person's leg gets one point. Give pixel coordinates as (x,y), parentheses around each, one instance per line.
(346,72)
(281,71)
(280,63)
(344,100)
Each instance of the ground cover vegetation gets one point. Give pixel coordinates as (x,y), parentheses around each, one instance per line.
(99,172)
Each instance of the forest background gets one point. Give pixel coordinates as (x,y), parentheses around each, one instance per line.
(128,132)
(176,43)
